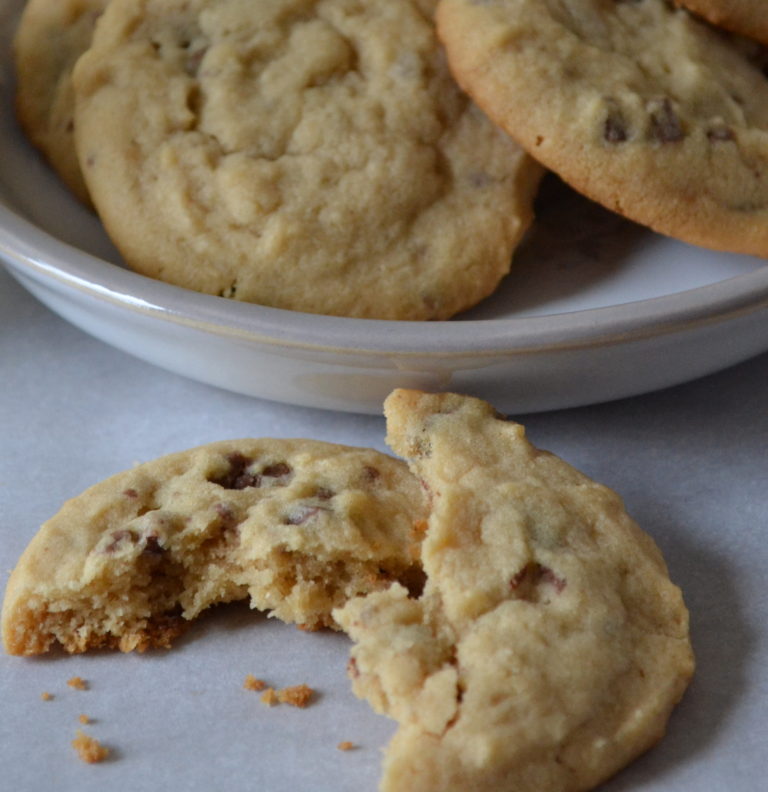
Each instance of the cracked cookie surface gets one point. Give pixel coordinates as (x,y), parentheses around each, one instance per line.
(51,36)
(637,104)
(549,645)
(314,155)
(298,526)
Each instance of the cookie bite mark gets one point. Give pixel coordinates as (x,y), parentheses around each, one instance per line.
(298,527)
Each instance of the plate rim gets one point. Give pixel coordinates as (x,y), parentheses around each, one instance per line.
(36,253)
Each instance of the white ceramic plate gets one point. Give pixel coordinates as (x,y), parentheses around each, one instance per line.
(595,308)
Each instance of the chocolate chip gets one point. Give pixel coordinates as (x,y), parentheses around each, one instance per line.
(152,546)
(119,538)
(278,470)
(238,476)
(130,493)
(530,576)
(228,519)
(371,473)
(302,514)
(665,124)
(721,133)
(614,128)
(322,493)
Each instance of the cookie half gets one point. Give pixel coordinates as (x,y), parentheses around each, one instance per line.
(549,645)
(314,156)
(51,36)
(746,17)
(298,526)
(639,105)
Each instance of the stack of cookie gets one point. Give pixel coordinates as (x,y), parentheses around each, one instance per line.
(319,157)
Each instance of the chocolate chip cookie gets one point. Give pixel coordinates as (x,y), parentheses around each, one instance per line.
(639,105)
(296,526)
(313,156)
(549,645)
(51,36)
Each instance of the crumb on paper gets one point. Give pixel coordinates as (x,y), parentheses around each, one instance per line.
(269,697)
(78,683)
(84,719)
(346,745)
(46,696)
(296,695)
(89,749)
(254,683)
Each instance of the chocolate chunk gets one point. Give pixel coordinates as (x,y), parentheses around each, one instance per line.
(720,133)
(302,514)
(152,546)
(278,470)
(665,124)
(238,476)
(530,576)
(614,130)
(119,538)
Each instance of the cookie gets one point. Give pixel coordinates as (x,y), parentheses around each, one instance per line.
(312,156)
(639,105)
(298,526)
(746,17)
(51,36)
(549,645)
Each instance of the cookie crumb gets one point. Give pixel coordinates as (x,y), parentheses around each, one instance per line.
(346,745)
(84,719)
(269,697)
(296,695)
(89,749)
(254,683)
(46,696)
(78,683)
